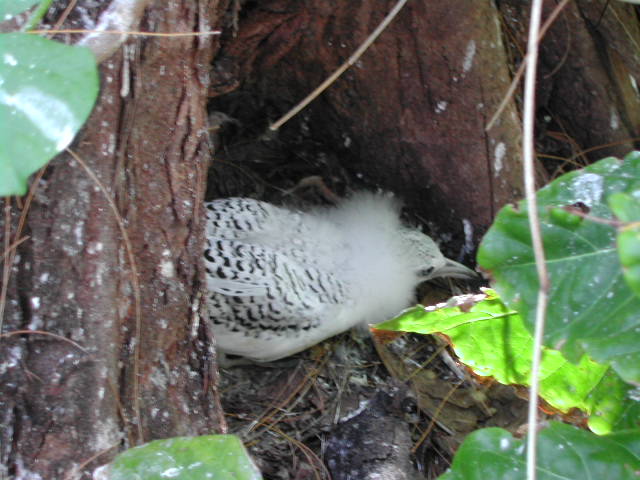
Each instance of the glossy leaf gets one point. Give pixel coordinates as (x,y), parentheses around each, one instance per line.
(492,340)
(47,91)
(564,453)
(592,309)
(221,457)
(10,8)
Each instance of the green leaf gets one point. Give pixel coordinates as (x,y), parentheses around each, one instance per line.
(9,8)
(564,453)
(629,252)
(221,457)
(47,91)
(627,208)
(592,309)
(492,340)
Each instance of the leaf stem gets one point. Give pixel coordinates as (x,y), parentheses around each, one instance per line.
(536,234)
(604,221)
(334,76)
(37,15)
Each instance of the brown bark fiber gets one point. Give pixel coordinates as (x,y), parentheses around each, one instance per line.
(410,115)
(146,142)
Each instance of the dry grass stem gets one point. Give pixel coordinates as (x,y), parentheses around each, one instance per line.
(516,79)
(534,226)
(121,32)
(9,253)
(434,418)
(343,68)
(48,334)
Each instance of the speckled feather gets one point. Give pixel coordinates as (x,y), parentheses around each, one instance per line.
(281,280)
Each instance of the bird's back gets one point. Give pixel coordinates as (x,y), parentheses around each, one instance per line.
(269,277)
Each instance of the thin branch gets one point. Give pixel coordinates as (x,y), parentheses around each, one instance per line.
(27,204)
(42,332)
(70,6)
(120,15)
(434,418)
(10,251)
(516,78)
(317,464)
(132,33)
(76,473)
(536,234)
(271,417)
(603,221)
(334,76)
(212,376)
(6,268)
(604,145)
(631,35)
(136,289)
(13,246)
(37,15)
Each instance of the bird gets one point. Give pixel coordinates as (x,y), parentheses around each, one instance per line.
(280,280)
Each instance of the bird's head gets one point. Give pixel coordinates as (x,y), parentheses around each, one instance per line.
(431,263)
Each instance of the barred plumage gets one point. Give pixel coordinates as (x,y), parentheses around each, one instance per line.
(282,280)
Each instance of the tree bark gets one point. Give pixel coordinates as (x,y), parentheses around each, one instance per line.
(410,116)
(129,377)
(588,100)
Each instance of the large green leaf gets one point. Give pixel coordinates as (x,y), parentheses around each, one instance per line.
(492,340)
(592,309)
(9,8)
(564,453)
(47,91)
(221,457)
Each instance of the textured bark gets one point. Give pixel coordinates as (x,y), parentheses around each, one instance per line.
(588,100)
(62,405)
(410,115)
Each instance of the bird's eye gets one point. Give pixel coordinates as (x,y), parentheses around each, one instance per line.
(426,271)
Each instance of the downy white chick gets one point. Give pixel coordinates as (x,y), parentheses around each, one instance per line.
(282,280)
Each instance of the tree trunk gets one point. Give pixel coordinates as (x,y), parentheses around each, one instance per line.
(588,100)
(409,117)
(135,370)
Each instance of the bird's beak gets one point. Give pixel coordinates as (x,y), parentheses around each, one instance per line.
(453,269)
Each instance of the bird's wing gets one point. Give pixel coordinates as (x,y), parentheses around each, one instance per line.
(243,218)
(305,237)
(239,288)
(234,268)
(268,286)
